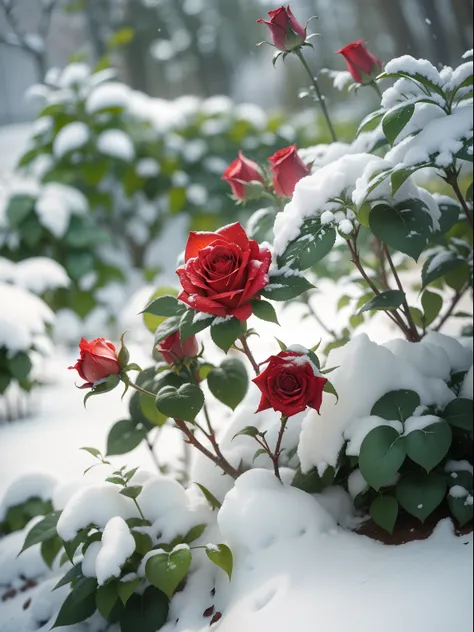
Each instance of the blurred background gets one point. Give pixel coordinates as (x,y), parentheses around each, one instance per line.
(168,48)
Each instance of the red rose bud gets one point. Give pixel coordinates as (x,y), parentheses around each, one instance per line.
(287,169)
(223,272)
(290,383)
(286,32)
(98,360)
(362,65)
(239,172)
(173,350)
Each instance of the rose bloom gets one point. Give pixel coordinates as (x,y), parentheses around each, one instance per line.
(223,272)
(290,384)
(287,169)
(360,62)
(286,32)
(240,171)
(173,350)
(98,360)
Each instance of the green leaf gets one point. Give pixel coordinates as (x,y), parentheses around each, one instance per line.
(381,455)
(460,413)
(264,311)
(314,242)
(131,492)
(419,493)
(460,509)
(384,512)
(18,208)
(166,306)
(406,226)
(221,556)
(432,304)
(43,530)
(143,542)
(79,605)
(248,431)
(211,499)
(192,322)
(126,589)
(50,549)
(441,267)
(400,176)
(124,436)
(93,451)
(167,570)
(71,546)
(106,598)
(182,403)
(395,121)
(224,332)
(166,328)
(194,533)
(73,573)
(399,404)
(229,382)
(417,316)
(150,411)
(389,300)
(429,445)
(121,37)
(20,366)
(343,302)
(258,453)
(370,118)
(109,383)
(284,286)
(152,320)
(145,613)
(260,224)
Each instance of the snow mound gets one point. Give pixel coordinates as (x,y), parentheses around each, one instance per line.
(15,568)
(117,546)
(29,486)
(117,144)
(69,138)
(39,274)
(56,203)
(108,95)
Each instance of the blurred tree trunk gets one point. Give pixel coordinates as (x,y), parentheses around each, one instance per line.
(439,49)
(397,25)
(463,14)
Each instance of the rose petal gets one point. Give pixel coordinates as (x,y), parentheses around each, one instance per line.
(235,234)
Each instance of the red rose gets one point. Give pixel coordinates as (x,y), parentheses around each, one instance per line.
(362,65)
(223,271)
(98,360)
(239,172)
(173,350)
(287,33)
(290,383)
(288,169)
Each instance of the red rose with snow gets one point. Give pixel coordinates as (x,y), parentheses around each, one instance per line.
(290,383)
(286,32)
(240,173)
(98,360)
(287,169)
(223,272)
(362,65)
(173,350)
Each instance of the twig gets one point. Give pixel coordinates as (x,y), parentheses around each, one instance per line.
(455,300)
(276,454)
(313,313)
(150,446)
(246,350)
(452,179)
(413,332)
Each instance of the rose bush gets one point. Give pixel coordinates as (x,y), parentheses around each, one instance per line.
(223,271)
(97,361)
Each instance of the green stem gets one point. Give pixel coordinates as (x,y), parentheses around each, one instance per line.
(452,179)
(142,390)
(276,454)
(315,84)
(376,88)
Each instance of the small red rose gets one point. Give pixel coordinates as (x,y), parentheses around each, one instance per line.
(239,173)
(223,272)
(290,384)
(173,350)
(98,360)
(287,170)
(362,65)
(286,32)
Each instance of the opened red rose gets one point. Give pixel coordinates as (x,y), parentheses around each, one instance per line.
(286,32)
(290,384)
(239,173)
(98,360)
(223,272)
(173,350)
(362,65)
(287,170)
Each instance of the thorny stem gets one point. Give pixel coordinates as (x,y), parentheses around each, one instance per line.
(413,332)
(276,454)
(455,300)
(315,85)
(313,313)
(452,179)
(150,446)
(246,350)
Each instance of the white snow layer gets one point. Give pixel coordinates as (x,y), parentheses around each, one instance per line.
(22,489)
(37,274)
(118,545)
(71,137)
(117,144)
(365,372)
(108,95)
(56,203)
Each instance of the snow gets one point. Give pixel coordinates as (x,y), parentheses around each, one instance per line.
(356,483)
(14,568)
(108,95)
(467,386)
(460,358)
(409,65)
(365,372)
(420,422)
(23,318)
(457,491)
(147,168)
(74,75)
(432,362)
(118,545)
(70,138)
(161,496)
(56,203)
(117,144)
(39,274)
(468,54)
(458,466)
(360,427)
(22,489)
(346,227)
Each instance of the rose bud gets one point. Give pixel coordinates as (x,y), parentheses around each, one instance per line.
(98,360)
(286,32)
(223,272)
(287,169)
(173,350)
(362,65)
(290,383)
(242,171)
